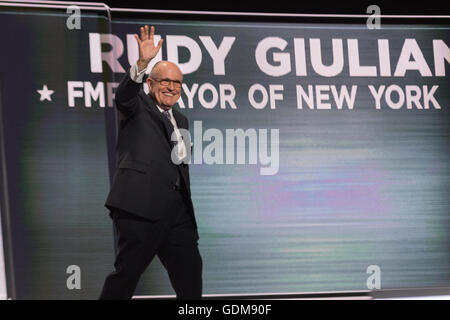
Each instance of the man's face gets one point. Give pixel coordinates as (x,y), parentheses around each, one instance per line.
(165,84)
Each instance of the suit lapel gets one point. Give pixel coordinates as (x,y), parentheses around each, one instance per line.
(179,119)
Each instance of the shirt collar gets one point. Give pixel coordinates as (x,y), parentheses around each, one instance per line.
(162,110)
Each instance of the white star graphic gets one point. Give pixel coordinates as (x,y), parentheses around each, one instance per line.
(45,93)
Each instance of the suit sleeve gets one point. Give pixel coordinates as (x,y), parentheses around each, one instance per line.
(126,96)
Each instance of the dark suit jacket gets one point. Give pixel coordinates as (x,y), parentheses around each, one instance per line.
(146,180)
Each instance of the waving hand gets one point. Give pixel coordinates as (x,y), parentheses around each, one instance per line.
(147,48)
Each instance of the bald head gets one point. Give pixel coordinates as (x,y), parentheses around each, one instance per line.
(164,66)
(164,83)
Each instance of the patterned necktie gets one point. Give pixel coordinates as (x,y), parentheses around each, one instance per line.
(167,114)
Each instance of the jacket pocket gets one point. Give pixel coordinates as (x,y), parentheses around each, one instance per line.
(128,163)
(134,165)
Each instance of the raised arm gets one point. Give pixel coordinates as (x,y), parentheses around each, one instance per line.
(129,87)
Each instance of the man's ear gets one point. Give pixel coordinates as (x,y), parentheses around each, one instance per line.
(149,84)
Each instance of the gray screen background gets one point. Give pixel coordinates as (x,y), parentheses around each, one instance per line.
(354,188)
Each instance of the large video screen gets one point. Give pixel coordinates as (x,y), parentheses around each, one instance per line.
(320,152)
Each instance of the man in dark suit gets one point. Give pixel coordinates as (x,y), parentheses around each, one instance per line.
(150,199)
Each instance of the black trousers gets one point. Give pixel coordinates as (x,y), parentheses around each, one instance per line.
(173,239)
